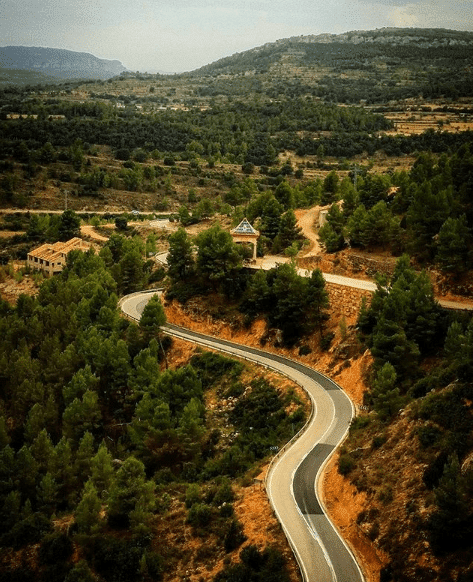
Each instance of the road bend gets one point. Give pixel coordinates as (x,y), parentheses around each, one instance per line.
(292,481)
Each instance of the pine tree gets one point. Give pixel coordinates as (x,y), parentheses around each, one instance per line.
(10,512)
(180,259)
(453,245)
(62,469)
(131,499)
(284,195)
(80,573)
(47,494)
(131,273)
(4,437)
(69,225)
(331,233)
(81,416)
(102,473)
(290,292)
(356,226)
(82,381)
(289,231)
(386,395)
(83,457)
(451,525)
(317,300)
(256,299)
(191,425)
(152,318)
(42,450)
(330,190)
(34,423)
(87,513)
(270,216)
(218,260)
(26,472)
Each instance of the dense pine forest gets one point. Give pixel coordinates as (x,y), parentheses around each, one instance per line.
(91,428)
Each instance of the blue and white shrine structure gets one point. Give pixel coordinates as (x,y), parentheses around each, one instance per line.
(244,233)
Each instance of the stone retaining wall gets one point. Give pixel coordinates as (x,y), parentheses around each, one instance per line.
(345,301)
(349,264)
(363,264)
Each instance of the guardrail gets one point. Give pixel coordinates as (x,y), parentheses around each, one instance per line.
(225,346)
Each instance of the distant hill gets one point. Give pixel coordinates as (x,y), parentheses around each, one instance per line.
(328,49)
(22,77)
(57,63)
(375,66)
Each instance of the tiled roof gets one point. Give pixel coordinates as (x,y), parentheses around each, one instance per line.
(244,228)
(52,252)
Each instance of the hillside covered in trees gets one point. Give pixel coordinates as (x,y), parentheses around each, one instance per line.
(102,444)
(95,432)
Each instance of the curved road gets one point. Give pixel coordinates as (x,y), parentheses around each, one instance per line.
(294,474)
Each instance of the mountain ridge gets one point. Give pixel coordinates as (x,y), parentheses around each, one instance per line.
(62,63)
(414,38)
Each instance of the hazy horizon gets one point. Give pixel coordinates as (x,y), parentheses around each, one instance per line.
(171,37)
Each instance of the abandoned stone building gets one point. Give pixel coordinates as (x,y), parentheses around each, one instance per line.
(51,258)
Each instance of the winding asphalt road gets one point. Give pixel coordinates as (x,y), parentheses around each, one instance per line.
(293,479)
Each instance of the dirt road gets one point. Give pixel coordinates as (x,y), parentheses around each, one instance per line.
(89,231)
(306,218)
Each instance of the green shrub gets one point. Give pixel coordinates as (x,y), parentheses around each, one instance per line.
(304,350)
(199,515)
(121,223)
(226,510)
(152,565)
(326,340)
(80,573)
(378,441)
(428,435)
(234,536)
(346,464)
(55,547)
(115,559)
(224,493)
(385,494)
(193,495)
(211,366)
(28,531)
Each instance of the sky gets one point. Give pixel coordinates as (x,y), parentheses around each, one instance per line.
(183,35)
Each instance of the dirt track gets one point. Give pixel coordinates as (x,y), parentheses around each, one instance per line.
(90,232)
(306,218)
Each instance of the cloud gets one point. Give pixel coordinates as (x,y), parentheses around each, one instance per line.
(403,16)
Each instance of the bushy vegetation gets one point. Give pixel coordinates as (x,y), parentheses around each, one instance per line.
(352,68)
(294,304)
(92,427)
(426,212)
(422,364)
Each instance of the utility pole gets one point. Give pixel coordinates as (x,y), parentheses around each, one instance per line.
(355,171)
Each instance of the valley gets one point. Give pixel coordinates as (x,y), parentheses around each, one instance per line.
(351,155)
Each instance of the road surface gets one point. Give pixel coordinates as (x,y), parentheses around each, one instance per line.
(293,477)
